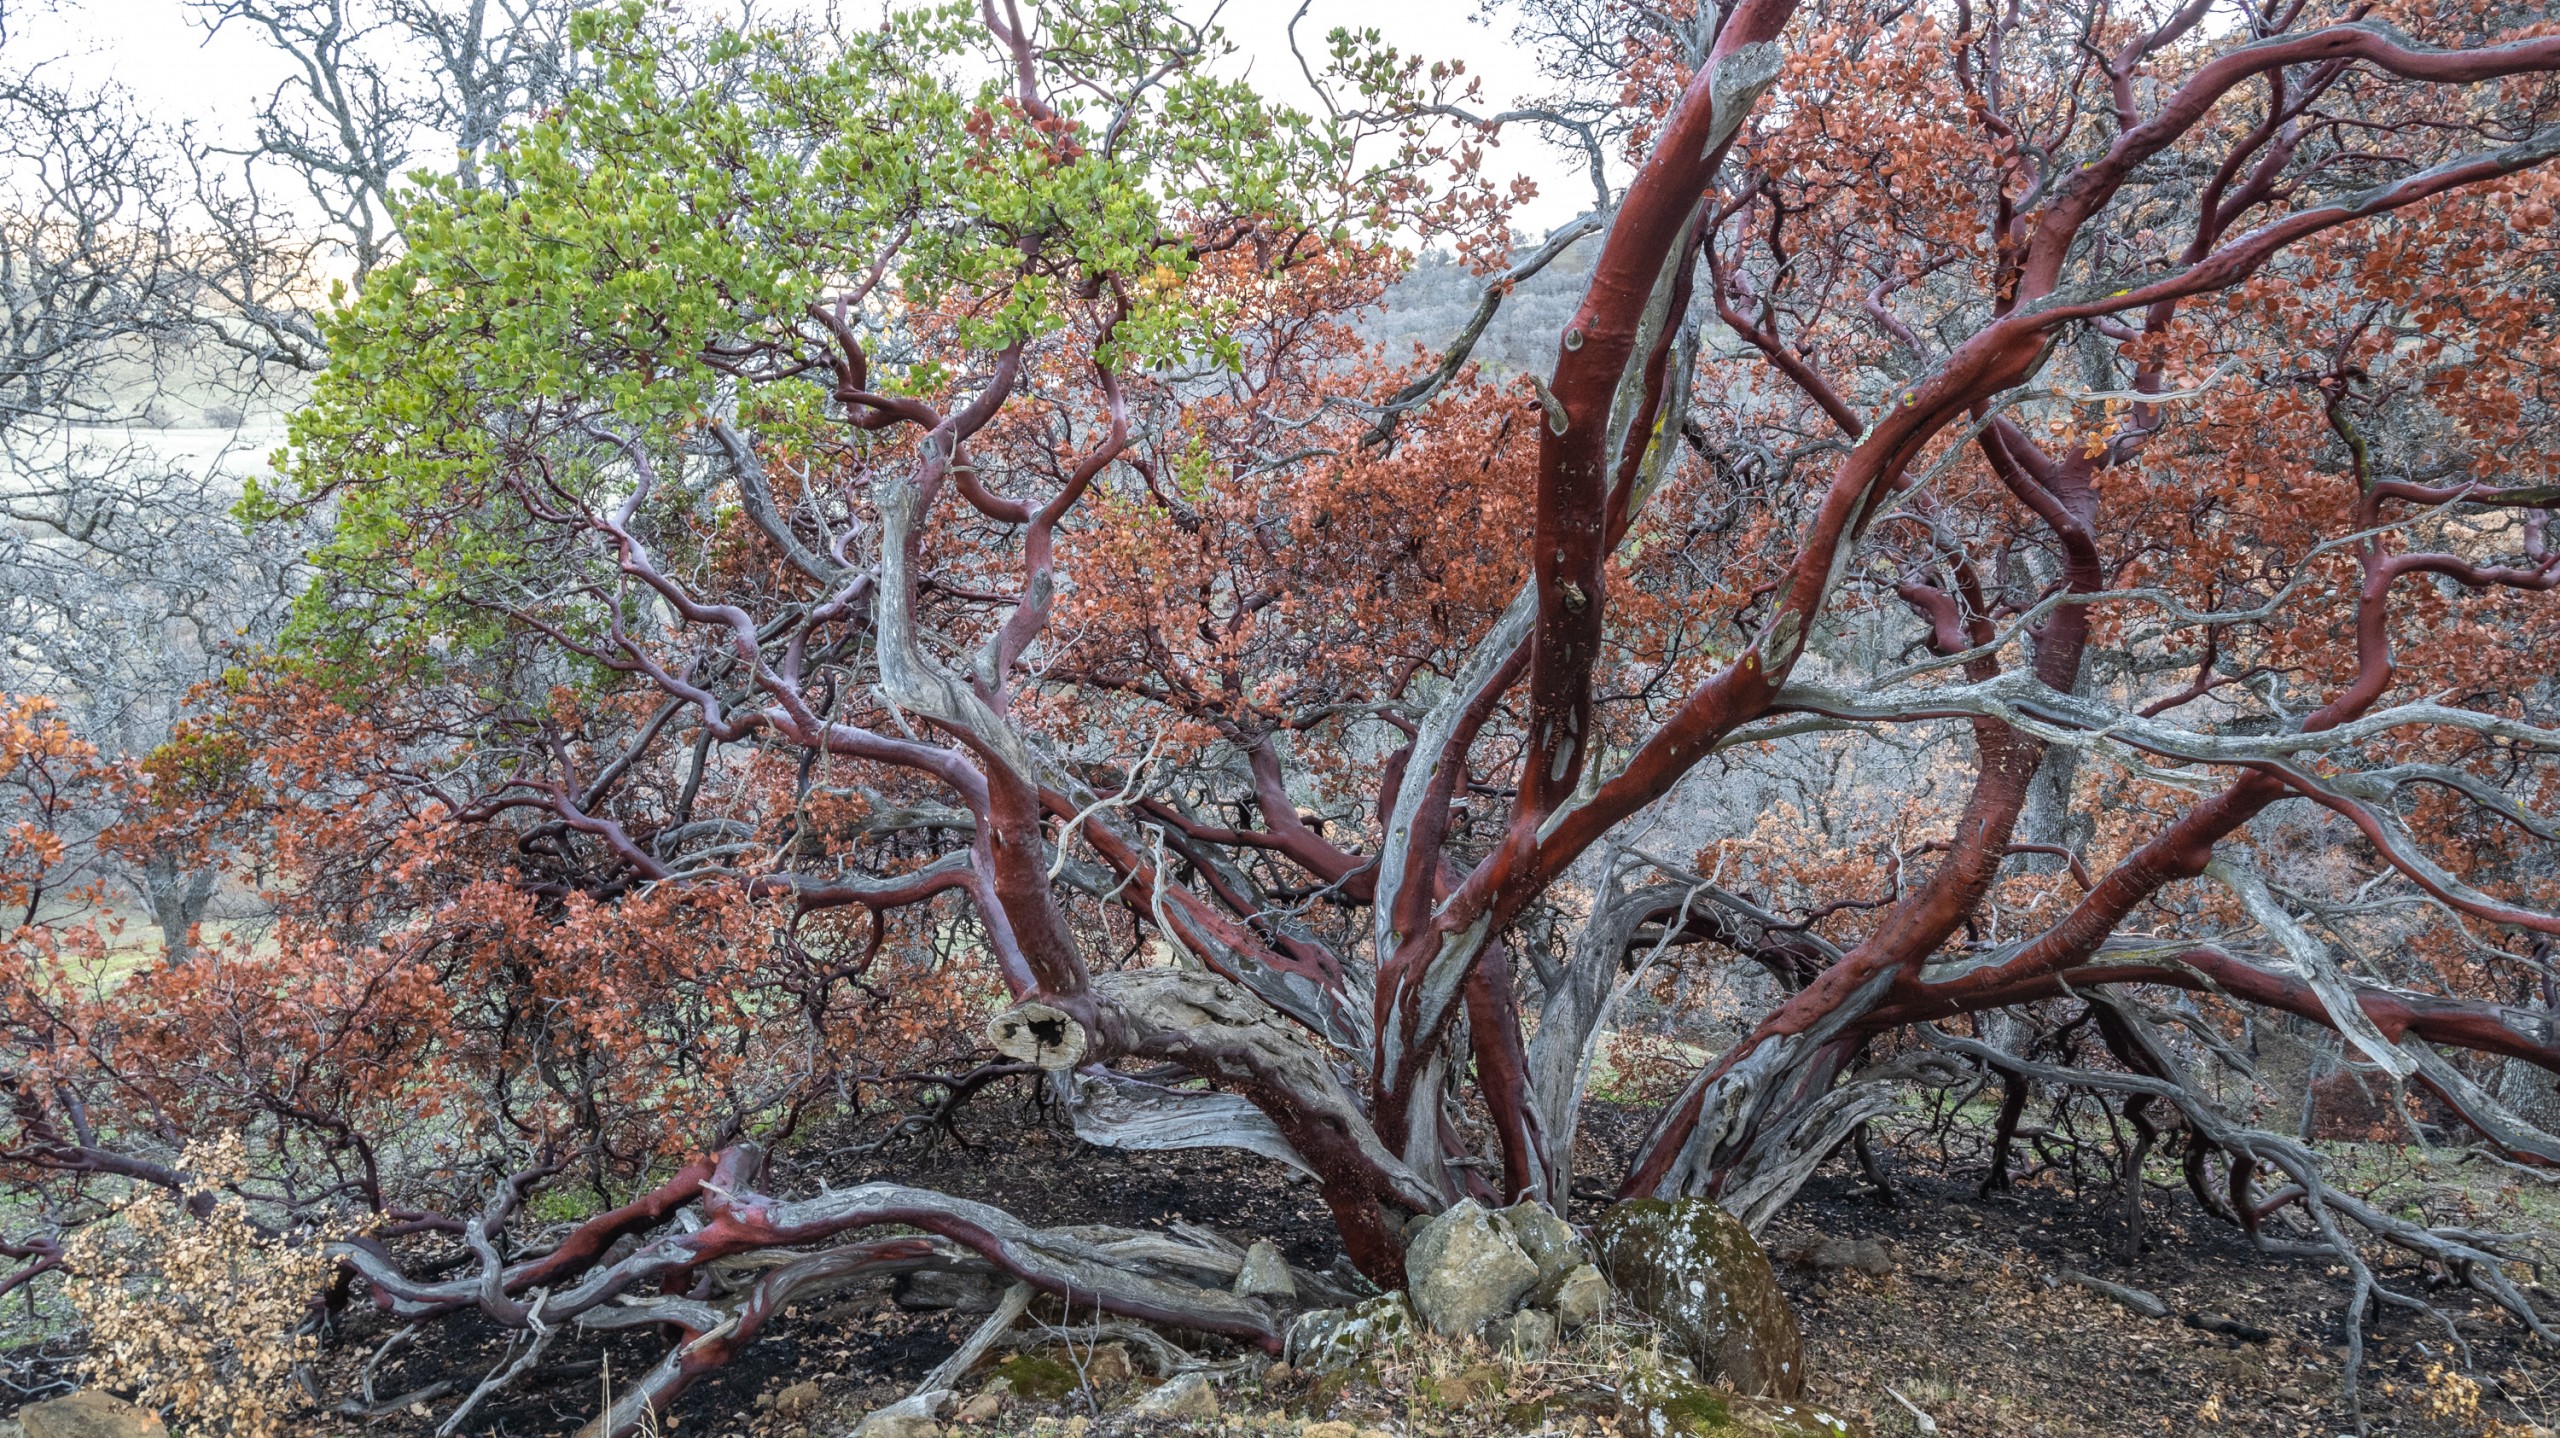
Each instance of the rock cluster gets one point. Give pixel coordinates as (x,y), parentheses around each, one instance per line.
(1464,1270)
(1517,1275)
(1517,1279)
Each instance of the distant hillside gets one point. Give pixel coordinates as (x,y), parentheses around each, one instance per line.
(1429,306)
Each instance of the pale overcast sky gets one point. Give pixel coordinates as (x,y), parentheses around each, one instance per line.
(158,50)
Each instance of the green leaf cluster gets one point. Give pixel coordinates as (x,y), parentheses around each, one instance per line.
(652,254)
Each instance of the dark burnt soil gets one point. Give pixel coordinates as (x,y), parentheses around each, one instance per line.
(1975,1327)
(1967,1325)
(1017,1163)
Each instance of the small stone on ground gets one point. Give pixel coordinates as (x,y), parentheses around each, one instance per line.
(1183,1396)
(906,1418)
(1265,1273)
(90,1414)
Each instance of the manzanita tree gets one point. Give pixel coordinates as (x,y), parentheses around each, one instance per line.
(841,498)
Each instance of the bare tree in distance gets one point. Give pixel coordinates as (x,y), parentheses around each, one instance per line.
(376,90)
(156,273)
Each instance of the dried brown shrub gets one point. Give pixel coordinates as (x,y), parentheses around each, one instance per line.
(200,1316)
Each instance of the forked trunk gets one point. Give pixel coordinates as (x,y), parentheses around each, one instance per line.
(1752,1127)
(1223,1031)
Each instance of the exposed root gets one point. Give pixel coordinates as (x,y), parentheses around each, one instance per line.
(739,1257)
(1775,1168)
(2141,1301)
(709,1348)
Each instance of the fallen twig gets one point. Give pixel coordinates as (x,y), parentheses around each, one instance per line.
(2146,1304)
(1920,1420)
(946,1376)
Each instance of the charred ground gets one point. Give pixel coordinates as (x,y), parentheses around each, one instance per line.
(1971,1317)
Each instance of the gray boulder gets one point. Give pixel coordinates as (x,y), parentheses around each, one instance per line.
(1549,1241)
(1465,1270)
(1702,1276)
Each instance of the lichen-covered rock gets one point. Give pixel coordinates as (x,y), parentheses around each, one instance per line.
(1549,1241)
(1657,1401)
(1580,1297)
(1702,1276)
(90,1414)
(1265,1273)
(1465,1270)
(1332,1338)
